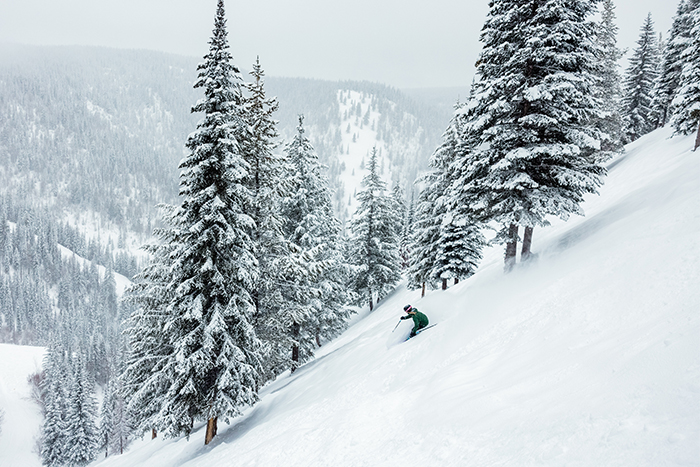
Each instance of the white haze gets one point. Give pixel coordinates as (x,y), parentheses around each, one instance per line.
(405,44)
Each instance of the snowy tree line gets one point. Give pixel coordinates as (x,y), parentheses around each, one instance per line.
(70,306)
(65,300)
(545,112)
(101,130)
(250,272)
(661,82)
(39,285)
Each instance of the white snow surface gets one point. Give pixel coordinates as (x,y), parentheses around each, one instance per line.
(587,356)
(21,426)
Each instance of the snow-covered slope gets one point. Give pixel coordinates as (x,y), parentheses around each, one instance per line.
(360,122)
(22,416)
(588,356)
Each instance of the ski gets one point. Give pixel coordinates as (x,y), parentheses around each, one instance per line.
(421,330)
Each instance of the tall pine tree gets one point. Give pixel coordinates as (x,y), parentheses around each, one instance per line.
(315,272)
(686,105)
(530,119)
(212,355)
(375,250)
(460,240)
(671,65)
(55,392)
(638,94)
(81,440)
(448,242)
(144,380)
(268,184)
(608,90)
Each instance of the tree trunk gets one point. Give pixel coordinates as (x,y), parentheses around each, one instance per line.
(296,332)
(422,293)
(456,280)
(511,248)
(527,244)
(154,433)
(371,305)
(697,139)
(211,430)
(444,284)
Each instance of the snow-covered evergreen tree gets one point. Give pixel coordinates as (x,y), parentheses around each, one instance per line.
(686,104)
(268,185)
(375,248)
(114,428)
(211,355)
(425,237)
(144,380)
(120,435)
(460,241)
(106,418)
(448,241)
(398,197)
(314,272)
(54,430)
(405,237)
(534,145)
(608,90)
(671,65)
(638,93)
(268,182)
(81,439)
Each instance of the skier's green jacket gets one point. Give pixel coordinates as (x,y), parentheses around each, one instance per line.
(419,320)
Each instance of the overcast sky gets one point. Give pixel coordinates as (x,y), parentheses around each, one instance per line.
(403,43)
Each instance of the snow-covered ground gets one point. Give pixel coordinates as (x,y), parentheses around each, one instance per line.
(588,356)
(22,417)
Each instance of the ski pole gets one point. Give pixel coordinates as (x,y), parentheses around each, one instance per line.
(397,325)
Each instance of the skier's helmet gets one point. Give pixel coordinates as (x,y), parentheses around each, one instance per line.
(407,308)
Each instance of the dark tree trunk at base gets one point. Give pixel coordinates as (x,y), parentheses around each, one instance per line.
(211,430)
(697,139)
(511,248)
(422,292)
(154,433)
(527,244)
(444,284)
(456,281)
(371,305)
(296,331)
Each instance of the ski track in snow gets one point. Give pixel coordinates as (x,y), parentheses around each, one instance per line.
(587,356)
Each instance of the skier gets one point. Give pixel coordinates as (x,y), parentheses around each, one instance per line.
(419,319)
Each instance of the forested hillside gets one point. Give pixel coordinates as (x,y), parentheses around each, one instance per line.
(97,133)
(90,142)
